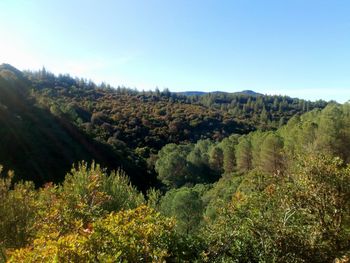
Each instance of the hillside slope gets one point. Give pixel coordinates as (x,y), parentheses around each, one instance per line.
(42,147)
(153,119)
(49,122)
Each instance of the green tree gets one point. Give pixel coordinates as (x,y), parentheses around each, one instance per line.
(186,206)
(244,154)
(321,198)
(229,158)
(332,135)
(216,159)
(172,165)
(272,154)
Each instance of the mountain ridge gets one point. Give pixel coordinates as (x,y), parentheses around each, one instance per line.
(201,93)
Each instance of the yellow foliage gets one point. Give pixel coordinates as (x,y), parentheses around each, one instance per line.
(138,235)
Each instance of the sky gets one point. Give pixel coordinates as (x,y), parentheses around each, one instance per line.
(299,48)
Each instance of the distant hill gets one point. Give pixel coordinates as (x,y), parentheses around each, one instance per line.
(202,93)
(191,93)
(249,93)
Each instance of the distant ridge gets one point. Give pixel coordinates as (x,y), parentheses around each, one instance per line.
(202,93)
(192,93)
(249,92)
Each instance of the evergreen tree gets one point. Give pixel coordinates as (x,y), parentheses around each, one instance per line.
(229,157)
(272,154)
(244,155)
(216,159)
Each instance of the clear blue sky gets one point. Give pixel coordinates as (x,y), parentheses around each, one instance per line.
(299,48)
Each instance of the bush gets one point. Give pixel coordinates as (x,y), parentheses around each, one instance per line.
(138,235)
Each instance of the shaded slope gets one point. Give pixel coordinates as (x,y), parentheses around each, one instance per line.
(42,147)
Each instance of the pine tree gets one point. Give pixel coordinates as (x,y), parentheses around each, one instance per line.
(244,155)
(272,154)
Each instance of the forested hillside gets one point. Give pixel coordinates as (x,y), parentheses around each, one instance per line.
(154,118)
(55,121)
(212,178)
(281,196)
(34,141)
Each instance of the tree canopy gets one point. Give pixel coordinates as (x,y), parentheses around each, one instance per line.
(169,177)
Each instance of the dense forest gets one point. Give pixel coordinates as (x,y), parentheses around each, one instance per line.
(55,121)
(157,176)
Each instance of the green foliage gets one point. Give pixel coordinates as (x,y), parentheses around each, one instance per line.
(180,165)
(321,199)
(134,236)
(333,133)
(325,131)
(289,202)
(89,193)
(154,119)
(220,194)
(216,159)
(139,235)
(244,155)
(302,217)
(84,181)
(82,188)
(228,147)
(36,128)
(186,205)
(283,195)
(271,154)
(17,212)
(172,166)
(153,198)
(235,235)
(53,223)
(122,194)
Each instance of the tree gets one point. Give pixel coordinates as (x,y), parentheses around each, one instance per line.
(302,217)
(172,166)
(321,199)
(199,155)
(244,230)
(186,206)
(272,154)
(229,158)
(333,136)
(121,193)
(244,154)
(216,159)
(264,117)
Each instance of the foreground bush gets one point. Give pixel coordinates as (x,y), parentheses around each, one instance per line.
(301,217)
(17,212)
(138,235)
